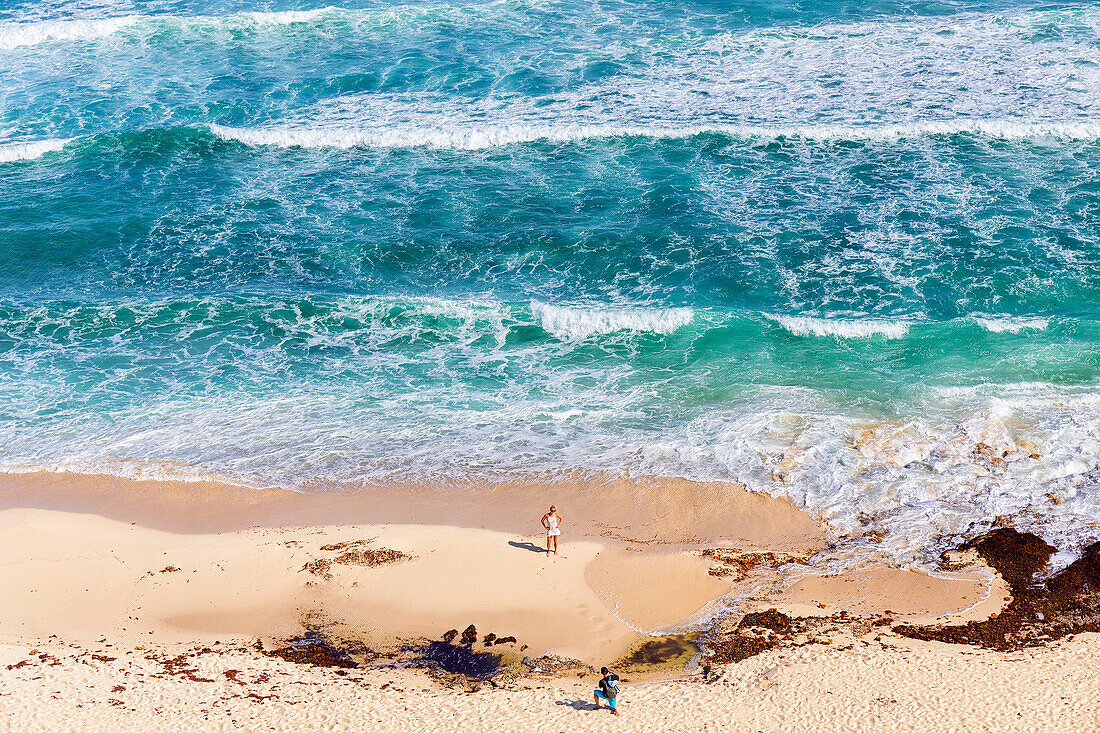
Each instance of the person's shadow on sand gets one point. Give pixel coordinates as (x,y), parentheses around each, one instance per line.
(530,546)
(576,704)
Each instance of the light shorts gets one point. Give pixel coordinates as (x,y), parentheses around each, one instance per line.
(610,703)
(553,532)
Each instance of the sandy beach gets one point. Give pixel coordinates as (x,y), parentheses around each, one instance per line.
(159,611)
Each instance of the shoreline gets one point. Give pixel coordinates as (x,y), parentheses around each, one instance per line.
(640,556)
(641,511)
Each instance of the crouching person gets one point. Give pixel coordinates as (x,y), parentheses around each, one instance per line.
(608,690)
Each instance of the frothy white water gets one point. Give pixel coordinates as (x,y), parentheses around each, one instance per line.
(287,17)
(578,323)
(29,33)
(911,486)
(10,152)
(1011,324)
(14,35)
(905,488)
(806,326)
(449,135)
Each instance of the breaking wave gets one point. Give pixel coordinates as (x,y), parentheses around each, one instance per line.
(463,137)
(10,152)
(807,326)
(578,323)
(30,33)
(14,35)
(1010,324)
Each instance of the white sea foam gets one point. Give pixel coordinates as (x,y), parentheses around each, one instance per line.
(806,326)
(29,33)
(577,323)
(10,152)
(463,136)
(14,35)
(1011,324)
(286,17)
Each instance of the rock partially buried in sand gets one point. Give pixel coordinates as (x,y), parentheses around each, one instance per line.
(553,664)
(755,633)
(771,619)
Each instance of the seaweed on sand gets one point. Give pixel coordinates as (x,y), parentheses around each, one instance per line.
(1066,603)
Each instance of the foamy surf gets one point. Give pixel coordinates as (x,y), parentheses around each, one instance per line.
(1011,324)
(806,326)
(14,35)
(30,33)
(578,323)
(460,136)
(10,152)
(318,319)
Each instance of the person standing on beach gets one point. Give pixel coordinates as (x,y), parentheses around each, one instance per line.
(552,522)
(608,691)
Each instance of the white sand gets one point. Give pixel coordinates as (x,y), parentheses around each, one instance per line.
(84,577)
(867,687)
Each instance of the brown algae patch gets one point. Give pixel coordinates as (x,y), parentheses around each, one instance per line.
(662,656)
(315,651)
(736,564)
(355,552)
(1066,603)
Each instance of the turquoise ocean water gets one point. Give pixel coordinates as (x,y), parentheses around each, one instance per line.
(846,252)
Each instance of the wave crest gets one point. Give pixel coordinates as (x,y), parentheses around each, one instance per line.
(807,326)
(462,137)
(14,35)
(30,33)
(577,323)
(1011,324)
(10,152)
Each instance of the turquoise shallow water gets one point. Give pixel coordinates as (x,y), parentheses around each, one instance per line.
(823,250)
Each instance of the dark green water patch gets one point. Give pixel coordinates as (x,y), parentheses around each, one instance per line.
(459,659)
(658,656)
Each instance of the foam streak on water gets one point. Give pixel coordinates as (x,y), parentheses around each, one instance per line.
(477,138)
